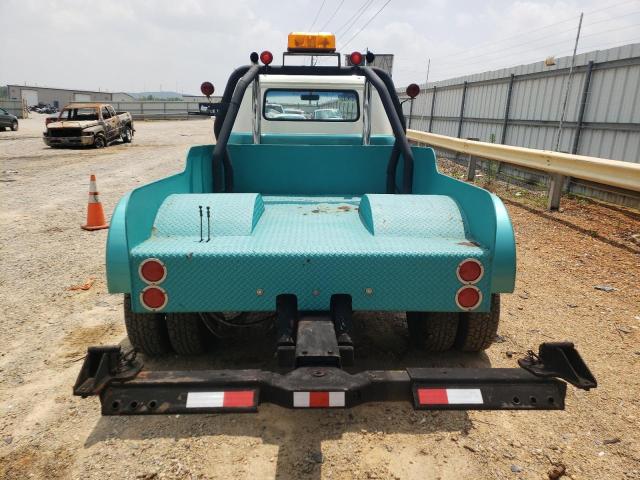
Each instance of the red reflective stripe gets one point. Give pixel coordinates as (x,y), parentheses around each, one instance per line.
(318,399)
(433,396)
(238,399)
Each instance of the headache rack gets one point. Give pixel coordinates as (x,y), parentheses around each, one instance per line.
(311,376)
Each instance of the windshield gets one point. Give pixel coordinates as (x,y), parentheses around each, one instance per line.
(84,113)
(311,105)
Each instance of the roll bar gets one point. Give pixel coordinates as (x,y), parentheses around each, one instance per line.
(242,77)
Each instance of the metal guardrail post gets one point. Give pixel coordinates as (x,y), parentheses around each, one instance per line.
(471,167)
(583,105)
(555,191)
(433,104)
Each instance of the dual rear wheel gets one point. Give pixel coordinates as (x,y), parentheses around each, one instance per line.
(156,334)
(468,331)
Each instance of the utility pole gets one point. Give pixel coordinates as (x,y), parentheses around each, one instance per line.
(425,88)
(566,93)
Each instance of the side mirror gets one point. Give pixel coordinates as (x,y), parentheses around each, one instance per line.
(413,90)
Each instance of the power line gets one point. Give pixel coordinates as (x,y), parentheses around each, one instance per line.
(493,42)
(317,15)
(483,58)
(332,15)
(354,18)
(367,23)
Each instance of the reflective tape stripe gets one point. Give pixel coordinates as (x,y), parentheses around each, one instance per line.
(93,198)
(231,399)
(205,399)
(450,396)
(318,399)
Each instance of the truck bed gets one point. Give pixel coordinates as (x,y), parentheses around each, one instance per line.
(384,250)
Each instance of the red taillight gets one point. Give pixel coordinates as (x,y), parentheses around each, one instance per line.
(153,298)
(470,270)
(207,89)
(355,58)
(266,57)
(468,297)
(152,270)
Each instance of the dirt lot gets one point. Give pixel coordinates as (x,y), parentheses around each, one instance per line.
(45,328)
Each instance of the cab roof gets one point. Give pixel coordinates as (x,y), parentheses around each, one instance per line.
(86,105)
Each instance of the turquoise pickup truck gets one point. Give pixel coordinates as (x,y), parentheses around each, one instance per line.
(312,216)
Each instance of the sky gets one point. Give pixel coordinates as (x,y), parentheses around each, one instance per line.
(175,45)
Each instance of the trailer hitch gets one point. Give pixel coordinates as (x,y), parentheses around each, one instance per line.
(559,360)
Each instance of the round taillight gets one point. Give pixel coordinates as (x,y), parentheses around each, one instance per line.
(207,89)
(468,297)
(153,298)
(152,270)
(355,58)
(470,270)
(413,90)
(266,57)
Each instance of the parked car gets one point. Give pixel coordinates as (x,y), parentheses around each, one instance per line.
(7,120)
(93,124)
(327,114)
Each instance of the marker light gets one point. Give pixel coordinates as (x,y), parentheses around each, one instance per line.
(470,270)
(413,90)
(254,57)
(355,58)
(207,89)
(311,42)
(468,297)
(152,270)
(266,57)
(153,298)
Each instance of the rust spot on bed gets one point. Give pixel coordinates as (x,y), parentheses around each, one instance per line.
(469,244)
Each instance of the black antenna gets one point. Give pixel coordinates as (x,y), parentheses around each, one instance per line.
(208,224)
(200,207)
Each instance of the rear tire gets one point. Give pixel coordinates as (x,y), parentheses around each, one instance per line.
(433,331)
(477,331)
(187,333)
(14,126)
(147,331)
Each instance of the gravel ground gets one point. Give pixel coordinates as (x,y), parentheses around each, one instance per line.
(45,328)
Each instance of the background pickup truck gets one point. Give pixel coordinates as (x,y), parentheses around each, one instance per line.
(93,124)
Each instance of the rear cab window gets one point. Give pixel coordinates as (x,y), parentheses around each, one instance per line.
(315,105)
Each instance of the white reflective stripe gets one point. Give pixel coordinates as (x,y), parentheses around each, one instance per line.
(336,399)
(92,186)
(205,399)
(301,399)
(94,198)
(464,395)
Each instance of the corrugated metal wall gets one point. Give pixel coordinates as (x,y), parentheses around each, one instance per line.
(609,127)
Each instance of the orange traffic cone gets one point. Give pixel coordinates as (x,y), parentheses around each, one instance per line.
(95,213)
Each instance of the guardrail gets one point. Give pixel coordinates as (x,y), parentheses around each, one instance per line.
(616,173)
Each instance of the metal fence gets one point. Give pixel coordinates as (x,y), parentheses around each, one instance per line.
(157,110)
(522,106)
(15,107)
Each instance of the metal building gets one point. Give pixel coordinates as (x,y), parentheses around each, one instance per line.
(57,97)
(522,106)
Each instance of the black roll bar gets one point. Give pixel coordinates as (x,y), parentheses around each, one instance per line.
(242,77)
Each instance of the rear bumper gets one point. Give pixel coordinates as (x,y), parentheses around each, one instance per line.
(81,141)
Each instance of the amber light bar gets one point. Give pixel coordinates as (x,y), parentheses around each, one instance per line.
(311,42)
